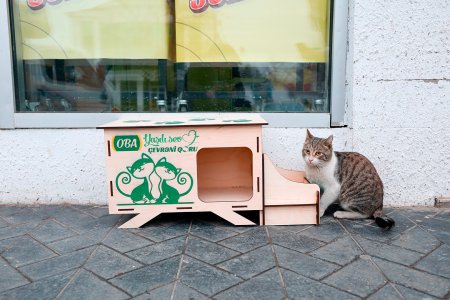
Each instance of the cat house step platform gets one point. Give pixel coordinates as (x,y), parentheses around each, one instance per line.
(289,199)
(187,164)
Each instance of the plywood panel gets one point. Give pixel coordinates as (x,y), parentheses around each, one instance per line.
(290,215)
(279,190)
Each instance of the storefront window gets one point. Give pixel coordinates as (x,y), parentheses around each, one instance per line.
(171,55)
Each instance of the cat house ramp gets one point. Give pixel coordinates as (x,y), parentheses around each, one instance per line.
(217,165)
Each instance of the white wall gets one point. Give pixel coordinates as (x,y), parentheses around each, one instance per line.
(398,115)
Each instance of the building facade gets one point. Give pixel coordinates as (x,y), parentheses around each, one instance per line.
(380,84)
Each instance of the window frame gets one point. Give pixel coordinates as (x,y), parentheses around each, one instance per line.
(10,119)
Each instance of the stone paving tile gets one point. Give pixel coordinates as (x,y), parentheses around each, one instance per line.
(57,264)
(360,277)
(88,286)
(413,294)
(417,239)
(13,231)
(147,278)
(99,223)
(389,292)
(24,250)
(264,286)
(47,288)
(251,263)
(71,244)
(3,223)
(108,263)
(374,232)
(183,292)
(50,231)
(438,228)
(124,241)
(96,211)
(341,252)
(325,232)
(208,252)
(231,262)
(388,252)
(303,264)
(159,251)
(97,235)
(294,241)
(247,241)
(8,210)
(386,292)
(300,287)
(24,215)
(418,280)
(65,214)
(418,215)
(205,278)
(9,277)
(210,232)
(162,233)
(443,215)
(163,292)
(438,262)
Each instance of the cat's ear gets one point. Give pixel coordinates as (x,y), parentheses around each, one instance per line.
(145,156)
(129,169)
(309,136)
(329,140)
(162,160)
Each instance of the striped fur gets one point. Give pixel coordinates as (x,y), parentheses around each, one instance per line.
(347,178)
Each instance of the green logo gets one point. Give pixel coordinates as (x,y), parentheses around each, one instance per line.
(127,143)
(150,183)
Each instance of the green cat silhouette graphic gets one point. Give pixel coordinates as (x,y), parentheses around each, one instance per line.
(141,169)
(168,172)
(156,178)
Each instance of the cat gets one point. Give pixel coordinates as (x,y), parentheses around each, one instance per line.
(347,178)
(167,172)
(143,168)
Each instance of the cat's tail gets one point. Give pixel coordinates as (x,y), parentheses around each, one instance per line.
(125,178)
(383,221)
(182,179)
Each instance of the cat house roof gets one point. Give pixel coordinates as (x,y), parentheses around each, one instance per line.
(180,120)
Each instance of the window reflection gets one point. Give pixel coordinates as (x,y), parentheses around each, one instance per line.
(108,64)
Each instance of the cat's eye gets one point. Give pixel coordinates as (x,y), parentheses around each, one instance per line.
(318,153)
(307,152)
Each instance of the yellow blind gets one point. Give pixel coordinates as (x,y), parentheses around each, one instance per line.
(252,31)
(131,29)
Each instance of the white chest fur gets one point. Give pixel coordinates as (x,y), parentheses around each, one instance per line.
(324,176)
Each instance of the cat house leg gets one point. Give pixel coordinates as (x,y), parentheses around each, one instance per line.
(140,219)
(233,217)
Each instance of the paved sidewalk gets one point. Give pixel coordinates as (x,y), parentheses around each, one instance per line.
(77,252)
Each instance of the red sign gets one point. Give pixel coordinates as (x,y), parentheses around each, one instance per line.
(39,4)
(198,6)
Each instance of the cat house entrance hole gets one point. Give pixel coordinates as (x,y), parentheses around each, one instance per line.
(225,174)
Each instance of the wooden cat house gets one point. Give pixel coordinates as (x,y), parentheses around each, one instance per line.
(202,165)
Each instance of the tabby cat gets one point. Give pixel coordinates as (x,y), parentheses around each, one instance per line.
(347,178)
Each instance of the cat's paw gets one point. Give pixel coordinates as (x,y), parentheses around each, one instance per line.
(339,214)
